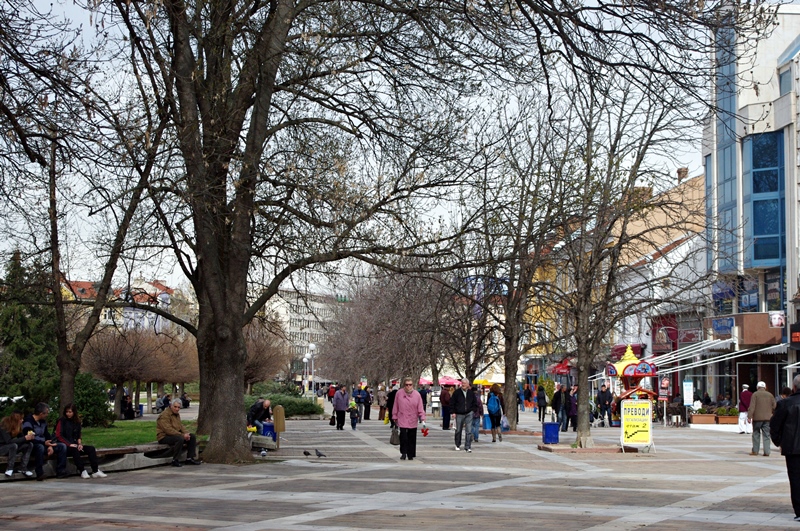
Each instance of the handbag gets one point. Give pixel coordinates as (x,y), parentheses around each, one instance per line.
(333,420)
(504,423)
(395,438)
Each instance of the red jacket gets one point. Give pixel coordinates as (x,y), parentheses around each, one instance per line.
(744,401)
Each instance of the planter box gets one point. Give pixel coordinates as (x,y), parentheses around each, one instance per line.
(727,420)
(704,418)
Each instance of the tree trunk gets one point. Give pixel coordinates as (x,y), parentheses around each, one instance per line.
(222,355)
(160,389)
(584,437)
(510,396)
(148,396)
(118,399)
(136,395)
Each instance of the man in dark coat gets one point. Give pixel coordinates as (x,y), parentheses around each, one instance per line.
(604,404)
(444,400)
(785,432)
(560,405)
(390,403)
(462,402)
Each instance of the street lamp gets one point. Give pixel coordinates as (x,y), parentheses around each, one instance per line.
(311,349)
(305,374)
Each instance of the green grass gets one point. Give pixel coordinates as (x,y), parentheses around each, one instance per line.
(127,434)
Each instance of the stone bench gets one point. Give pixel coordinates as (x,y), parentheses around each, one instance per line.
(110,459)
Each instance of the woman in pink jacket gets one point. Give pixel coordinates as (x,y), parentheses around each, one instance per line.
(407,412)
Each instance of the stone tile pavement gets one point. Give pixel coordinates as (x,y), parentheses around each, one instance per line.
(694,480)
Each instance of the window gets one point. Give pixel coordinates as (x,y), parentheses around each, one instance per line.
(785,81)
(763,167)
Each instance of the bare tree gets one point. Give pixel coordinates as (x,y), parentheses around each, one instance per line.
(268,352)
(63,144)
(391,329)
(614,220)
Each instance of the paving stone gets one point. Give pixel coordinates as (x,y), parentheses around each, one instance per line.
(695,480)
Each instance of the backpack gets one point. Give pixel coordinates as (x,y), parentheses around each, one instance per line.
(493,405)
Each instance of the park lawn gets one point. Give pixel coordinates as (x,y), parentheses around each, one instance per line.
(127,434)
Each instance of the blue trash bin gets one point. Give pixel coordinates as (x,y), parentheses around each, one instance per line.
(550,432)
(141,410)
(269,430)
(487,422)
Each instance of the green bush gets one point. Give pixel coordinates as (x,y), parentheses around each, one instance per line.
(292,405)
(276,388)
(91,400)
(549,388)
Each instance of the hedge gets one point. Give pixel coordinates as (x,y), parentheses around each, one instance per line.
(293,406)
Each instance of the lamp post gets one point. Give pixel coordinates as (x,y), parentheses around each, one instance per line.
(305,374)
(311,349)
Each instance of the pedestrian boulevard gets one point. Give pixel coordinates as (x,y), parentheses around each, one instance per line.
(695,479)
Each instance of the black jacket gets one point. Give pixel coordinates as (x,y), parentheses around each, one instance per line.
(67,431)
(541,397)
(604,398)
(560,400)
(6,438)
(460,404)
(258,412)
(784,426)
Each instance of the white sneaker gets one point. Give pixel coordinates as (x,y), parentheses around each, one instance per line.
(99,474)
(28,474)
(9,473)
(458,448)
(469,450)
(85,475)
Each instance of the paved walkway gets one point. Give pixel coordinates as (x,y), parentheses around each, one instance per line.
(696,479)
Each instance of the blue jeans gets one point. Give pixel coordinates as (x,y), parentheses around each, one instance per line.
(40,454)
(563,419)
(476,427)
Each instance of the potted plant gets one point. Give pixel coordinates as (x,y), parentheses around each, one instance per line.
(728,415)
(702,416)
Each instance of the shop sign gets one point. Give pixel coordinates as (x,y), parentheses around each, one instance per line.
(794,338)
(664,388)
(688,392)
(690,335)
(637,422)
(722,325)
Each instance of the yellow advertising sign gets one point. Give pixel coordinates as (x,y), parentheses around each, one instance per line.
(637,422)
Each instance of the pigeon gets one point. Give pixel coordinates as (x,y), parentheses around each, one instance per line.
(306,453)
(319,454)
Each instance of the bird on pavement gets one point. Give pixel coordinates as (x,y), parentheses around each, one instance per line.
(306,453)
(319,454)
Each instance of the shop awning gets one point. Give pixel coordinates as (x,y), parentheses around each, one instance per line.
(724,356)
(675,356)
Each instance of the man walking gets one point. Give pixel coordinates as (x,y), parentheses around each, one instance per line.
(744,405)
(560,405)
(462,402)
(604,405)
(444,400)
(360,397)
(762,405)
(785,424)
(341,401)
(380,396)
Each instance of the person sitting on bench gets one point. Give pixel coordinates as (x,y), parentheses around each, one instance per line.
(170,431)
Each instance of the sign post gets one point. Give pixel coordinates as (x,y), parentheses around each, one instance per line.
(636,423)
